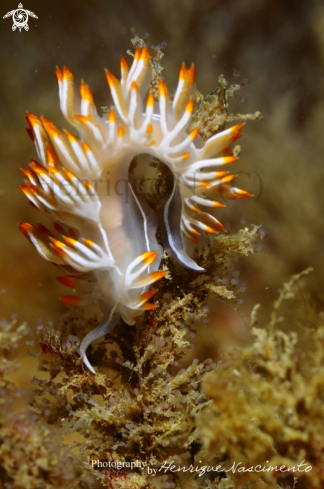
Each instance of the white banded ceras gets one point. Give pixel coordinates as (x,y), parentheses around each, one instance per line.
(106,244)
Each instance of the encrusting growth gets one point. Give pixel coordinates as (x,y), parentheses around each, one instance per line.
(266,407)
(143,403)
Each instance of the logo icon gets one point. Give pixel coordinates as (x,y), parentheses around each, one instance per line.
(20,18)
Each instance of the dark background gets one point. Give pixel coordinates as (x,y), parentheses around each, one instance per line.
(278,45)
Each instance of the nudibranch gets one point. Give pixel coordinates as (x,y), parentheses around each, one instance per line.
(107,246)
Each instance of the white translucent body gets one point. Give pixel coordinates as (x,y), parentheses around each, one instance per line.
(83,185)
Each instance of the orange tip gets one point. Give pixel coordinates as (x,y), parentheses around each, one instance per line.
(242,194)
(237,131)
(51,156)
(70,241)
(204,184)
(52,169)
(58,74)
(158,275)
(209,230)
(24,189)
(86,147)
(88,242)
(70,137)
(185,156)
(82,118)
(148,257)
(67,75)
(28,173)
(124,64)
(35,165)
(145,56)
(26,229)
(69,174)
(218,204)
(194,133)
(194,231)
(134,86)
(190,106)
(183,72)
(85,93)
(68,281)
(50,126)
(228,178)
(150,100)
(219,226)
(111,79)
(32,120)
(148,306)
(138,53)
(147,295)
(194,239)
(58,251)
(112,116)
(72,300)
(191,74)
(226,160)
(163,89)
